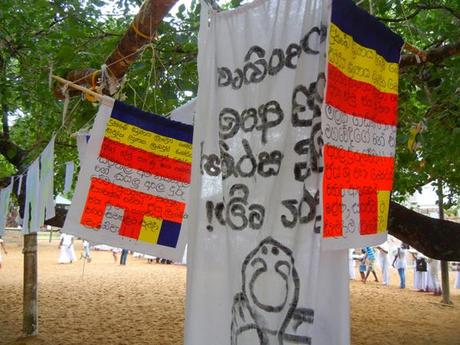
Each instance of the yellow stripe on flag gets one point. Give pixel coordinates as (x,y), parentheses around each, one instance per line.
(361,63)
(148,141)
(150,230)
(383,204)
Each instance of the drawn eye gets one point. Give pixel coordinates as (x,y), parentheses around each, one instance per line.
(283,268)
(259,262)
(264,250)
(275,251)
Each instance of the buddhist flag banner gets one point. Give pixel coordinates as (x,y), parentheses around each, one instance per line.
(359,127)
(5,194)
(133,183)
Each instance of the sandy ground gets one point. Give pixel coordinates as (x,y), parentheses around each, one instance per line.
(143,303)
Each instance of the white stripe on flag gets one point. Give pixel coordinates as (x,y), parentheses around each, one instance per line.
(140,181)
(356,134)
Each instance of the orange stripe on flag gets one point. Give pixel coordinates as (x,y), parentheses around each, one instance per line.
(136,206)
(360,99)
(350,170)
(135,158)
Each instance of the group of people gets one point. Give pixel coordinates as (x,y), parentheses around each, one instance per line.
(426,270)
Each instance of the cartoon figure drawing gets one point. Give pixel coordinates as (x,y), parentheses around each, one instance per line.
(259,316)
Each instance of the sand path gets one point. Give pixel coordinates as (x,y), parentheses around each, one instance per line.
(143,303)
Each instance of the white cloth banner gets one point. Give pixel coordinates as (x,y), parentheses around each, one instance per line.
(46,190)
(254,246)
(31,221)
(82,143)
(69,170)
(19,185)
(5,194)
(333,308)
(185,113)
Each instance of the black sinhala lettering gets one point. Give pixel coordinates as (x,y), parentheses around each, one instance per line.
(266,121)
(302,169)
(257,69)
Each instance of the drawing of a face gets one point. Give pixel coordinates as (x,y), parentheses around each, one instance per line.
(270,283)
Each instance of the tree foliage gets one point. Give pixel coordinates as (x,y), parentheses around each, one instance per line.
(39,35)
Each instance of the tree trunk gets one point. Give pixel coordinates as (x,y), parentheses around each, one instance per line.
(444,263)
(30,296)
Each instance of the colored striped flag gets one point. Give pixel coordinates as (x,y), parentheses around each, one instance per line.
(359,126)
(132,189)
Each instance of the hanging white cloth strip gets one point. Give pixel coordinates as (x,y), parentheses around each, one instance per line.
(19,184)
(185,113)
(254,246)
(46,191)
(31,221)
(69,170)
(82,143)
(5,194)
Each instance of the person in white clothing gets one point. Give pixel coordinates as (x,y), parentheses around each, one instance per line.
(434,276)
(400,264)
(457,275)
(67,254)
(384,262)
(2,247)
(86,251)
(420,272)
(351,264)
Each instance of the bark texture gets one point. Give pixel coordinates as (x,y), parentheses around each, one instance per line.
(436,238)
(434,55)
(140,32)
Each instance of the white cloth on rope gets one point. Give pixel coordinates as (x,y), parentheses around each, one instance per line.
(69,170)
(46,190)
(82,143)
(254,246)
(19,184)
(5,194)
(31,221)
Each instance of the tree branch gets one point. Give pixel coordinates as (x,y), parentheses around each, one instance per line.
(434,55)
(140,32)
(418,9)
(436,238)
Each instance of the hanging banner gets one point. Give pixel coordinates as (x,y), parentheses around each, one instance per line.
(254,246)
(69,170)
(46,188)
(5,194)
(134,181)
(82,143)
(19,185)
(31,221)
(185,113)
(359,127)
(333,308)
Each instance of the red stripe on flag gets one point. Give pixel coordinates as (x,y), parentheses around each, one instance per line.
(350,170)
(360,99)
(145,161)
(136,206)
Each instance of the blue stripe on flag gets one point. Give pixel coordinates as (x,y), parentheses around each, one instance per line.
(169,234)
(152,123)
(366,30)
